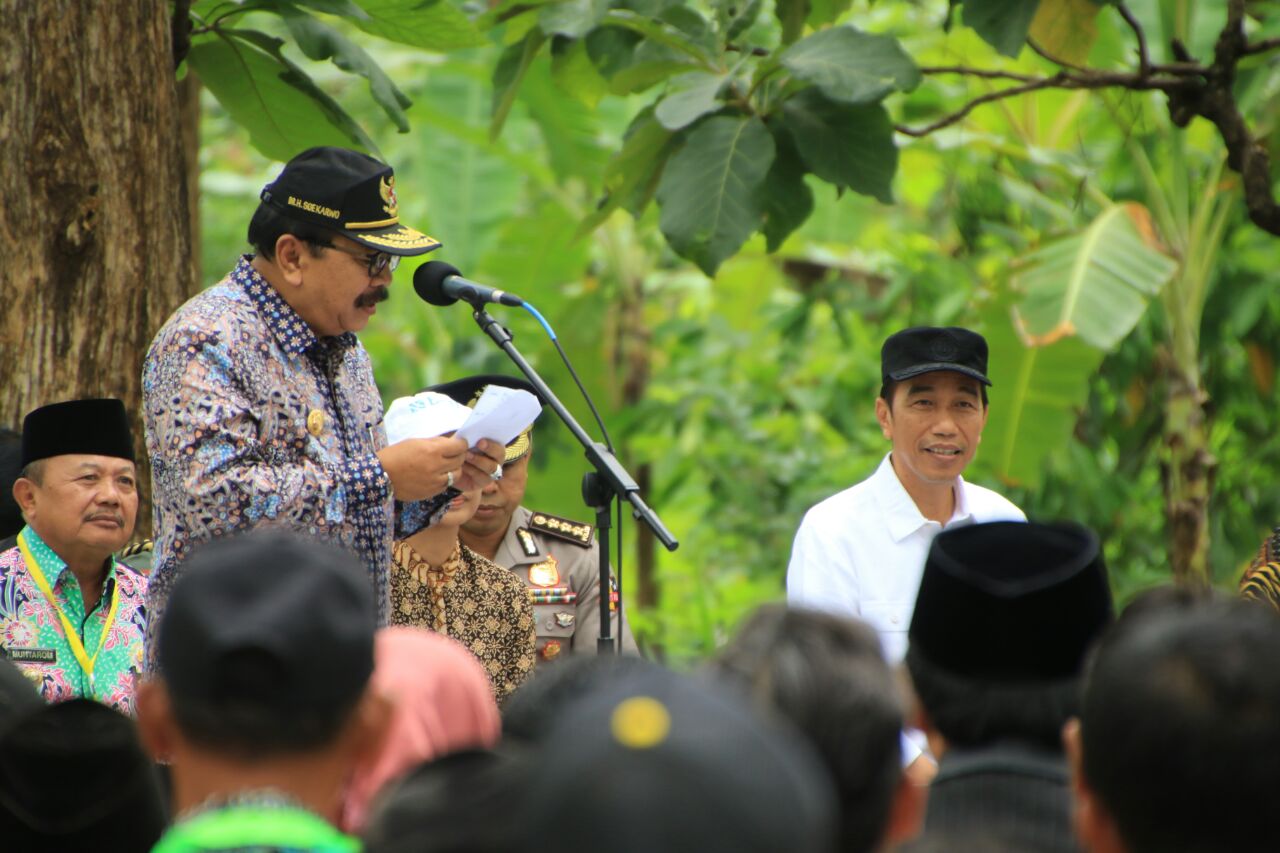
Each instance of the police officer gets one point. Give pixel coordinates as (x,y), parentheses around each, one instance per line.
(556,557)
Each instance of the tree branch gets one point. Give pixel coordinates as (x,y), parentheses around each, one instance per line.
(180,29)
(1261,46)
(1045,83)
(1144,57)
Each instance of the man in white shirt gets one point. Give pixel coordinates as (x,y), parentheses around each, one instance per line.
(861,552)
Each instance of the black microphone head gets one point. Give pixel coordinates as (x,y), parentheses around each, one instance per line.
(428,282)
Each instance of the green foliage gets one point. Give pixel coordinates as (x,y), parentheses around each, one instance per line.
(1003,24)
(850,66)
(710,191)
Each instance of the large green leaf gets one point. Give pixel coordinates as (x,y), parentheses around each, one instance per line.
(509,73)
(710,190)
(689,97)
(319,41)
(791,14)
(571,18)
(1037,393)
(631,176)
(1094,284)
(1066,29)
(1003,24)
(433,24)
(843,144)
(574,73)
(788,201)
(570,129)
(851,66)
(283,110)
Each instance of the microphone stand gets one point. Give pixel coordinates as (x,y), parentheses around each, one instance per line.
(599,487)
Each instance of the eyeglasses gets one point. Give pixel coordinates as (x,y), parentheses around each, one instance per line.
(378,261)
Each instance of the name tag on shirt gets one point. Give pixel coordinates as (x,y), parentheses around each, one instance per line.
(32,655)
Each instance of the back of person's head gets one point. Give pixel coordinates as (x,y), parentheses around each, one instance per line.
(11,521)
(660,761)
(266,646)
(828,677)
(1180,728)
(1004,618)
(458,803)
(73,776)
(537,706)
(441,703)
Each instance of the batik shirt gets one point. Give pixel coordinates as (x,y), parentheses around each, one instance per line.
(33,639)
(252,420)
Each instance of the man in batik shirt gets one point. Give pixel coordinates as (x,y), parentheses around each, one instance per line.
(260,404)
(71,617)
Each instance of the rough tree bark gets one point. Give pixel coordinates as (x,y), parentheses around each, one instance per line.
(94,227)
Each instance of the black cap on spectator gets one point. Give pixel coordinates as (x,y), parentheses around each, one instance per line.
(302,610)
(73,776)
(97,427)
(1011,601)
(658,761)
(923,349)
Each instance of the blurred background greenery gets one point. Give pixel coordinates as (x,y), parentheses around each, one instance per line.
(740,401)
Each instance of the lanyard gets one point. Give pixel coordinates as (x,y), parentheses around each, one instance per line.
(72,635)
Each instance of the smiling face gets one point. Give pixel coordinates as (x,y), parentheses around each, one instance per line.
(82,506)
(935,423)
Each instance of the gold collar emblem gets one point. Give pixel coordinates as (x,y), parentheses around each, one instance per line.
(546,573)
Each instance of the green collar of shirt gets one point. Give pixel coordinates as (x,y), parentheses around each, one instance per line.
(256,826)
(54,567)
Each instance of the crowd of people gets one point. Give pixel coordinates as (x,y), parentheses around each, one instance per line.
(337,643)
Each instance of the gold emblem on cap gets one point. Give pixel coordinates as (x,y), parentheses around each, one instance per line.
(315,422)
(546,573)
(387,189)
(640,722)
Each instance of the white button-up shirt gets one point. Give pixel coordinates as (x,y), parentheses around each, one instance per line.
(861,552)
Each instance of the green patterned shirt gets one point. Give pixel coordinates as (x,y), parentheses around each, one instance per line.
(32,635)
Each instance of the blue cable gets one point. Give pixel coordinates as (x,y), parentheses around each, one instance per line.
(538,316)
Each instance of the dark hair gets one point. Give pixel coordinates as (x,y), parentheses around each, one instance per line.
(969,712)
(827,676)
(10,470)
(246,729)
(889,386)
(1179,727)
(530,713)
(268,225)
(450,805)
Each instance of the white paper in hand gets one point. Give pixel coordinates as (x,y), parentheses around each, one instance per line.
(424,415)
(500,415)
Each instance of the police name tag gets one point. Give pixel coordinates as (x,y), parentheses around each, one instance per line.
(32,655)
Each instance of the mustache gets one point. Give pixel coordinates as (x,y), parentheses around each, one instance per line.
(109,516)
(373,297)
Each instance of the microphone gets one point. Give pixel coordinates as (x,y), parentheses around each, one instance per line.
(442,284)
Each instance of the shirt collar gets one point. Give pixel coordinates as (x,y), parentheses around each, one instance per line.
(902,516)
(51,565)
(291,331)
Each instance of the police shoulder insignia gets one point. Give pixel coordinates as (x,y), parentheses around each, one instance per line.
(562,528)
(527,544)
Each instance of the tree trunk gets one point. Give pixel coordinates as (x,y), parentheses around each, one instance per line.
(94,228)
(1187,469)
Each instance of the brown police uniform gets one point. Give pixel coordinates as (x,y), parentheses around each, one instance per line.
(559,564)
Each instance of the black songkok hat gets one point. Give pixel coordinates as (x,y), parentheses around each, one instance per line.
(74,775)
(347,192)
(468,390)
(300,611)
(923,349)
(1011,601)
(97,427)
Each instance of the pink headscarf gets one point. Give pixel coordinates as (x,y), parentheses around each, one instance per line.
(443,703)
